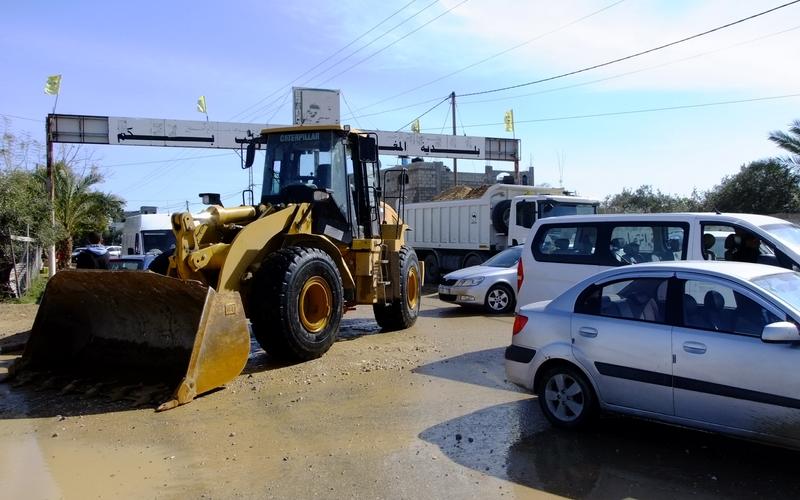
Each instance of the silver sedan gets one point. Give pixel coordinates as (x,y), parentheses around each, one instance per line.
(491,284)
(711,345)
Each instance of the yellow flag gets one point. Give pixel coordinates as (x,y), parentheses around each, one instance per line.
(509,119)
(201,104)
(415,126)
(53,85)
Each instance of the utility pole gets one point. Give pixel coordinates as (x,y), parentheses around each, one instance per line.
(51,195)
(455,160)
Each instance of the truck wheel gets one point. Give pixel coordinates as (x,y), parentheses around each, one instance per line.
(472,259)
(297,303)
(402,311)
(500,215)
(431,269)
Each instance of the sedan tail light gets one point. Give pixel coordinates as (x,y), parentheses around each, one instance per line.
(520,274)
(519,323)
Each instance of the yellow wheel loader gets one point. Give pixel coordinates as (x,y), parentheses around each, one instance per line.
(320,241)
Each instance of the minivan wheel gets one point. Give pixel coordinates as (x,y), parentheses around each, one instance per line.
(566,398)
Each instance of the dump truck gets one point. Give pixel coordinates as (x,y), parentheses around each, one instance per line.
(320,241)
(454,233)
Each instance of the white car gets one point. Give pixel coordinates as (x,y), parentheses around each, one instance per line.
(710,345)
(491,285)
(114,251)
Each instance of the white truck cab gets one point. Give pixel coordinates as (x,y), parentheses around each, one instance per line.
(147,233)
(452,234)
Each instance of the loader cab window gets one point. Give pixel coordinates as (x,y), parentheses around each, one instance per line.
(314,159)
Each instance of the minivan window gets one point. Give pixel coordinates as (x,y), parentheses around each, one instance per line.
(568,241)
(609,243)
(646,243)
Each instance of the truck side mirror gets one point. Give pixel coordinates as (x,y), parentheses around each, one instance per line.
(367,149)
(250,154)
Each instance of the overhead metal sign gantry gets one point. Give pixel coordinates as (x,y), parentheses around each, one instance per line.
(116,130)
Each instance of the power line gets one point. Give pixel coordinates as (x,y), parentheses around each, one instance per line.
(399,40)
(635,111)
(425,113)
(324,60)
(426,101)
(21,118)
(163,161)
(631,56)
(628,73)
(619,75)
(446,116)
(404,21)
(325,70)
(498,54)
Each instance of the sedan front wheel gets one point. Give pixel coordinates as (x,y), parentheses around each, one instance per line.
(500,299)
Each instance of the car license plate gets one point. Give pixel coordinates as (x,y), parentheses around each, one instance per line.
(445,290)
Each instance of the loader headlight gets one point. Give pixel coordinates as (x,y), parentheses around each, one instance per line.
(321,195)
(469,282)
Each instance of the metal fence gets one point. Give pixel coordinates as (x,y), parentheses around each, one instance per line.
(26,257)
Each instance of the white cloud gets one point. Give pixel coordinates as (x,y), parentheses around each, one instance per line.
(762,66)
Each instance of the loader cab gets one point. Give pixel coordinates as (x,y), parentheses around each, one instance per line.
(314,165)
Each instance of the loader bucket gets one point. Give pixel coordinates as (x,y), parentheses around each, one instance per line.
(138,327)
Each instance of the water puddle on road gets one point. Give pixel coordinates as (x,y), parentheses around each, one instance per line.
(33,466)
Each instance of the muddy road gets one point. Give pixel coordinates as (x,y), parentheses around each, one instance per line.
(424,413)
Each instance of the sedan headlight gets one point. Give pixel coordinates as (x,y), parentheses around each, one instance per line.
(469,282)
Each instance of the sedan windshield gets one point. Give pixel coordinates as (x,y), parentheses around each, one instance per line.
(506,258)
(785,286)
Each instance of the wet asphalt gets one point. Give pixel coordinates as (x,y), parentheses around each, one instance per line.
(425,413)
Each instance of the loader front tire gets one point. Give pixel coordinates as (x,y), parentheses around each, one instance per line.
(401,312)
(297,303)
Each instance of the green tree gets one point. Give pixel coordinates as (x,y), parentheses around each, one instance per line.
(23,201)
(762,187)
(789,141)
(647,200)
(78,207)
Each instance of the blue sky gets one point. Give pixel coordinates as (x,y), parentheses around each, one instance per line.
(150,59)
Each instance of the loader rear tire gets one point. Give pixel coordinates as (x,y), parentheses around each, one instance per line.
(297,303)
(402,311)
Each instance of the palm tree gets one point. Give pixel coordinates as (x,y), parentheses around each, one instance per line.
(78,207)
(789,141)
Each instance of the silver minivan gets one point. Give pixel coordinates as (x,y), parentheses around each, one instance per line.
(562,251)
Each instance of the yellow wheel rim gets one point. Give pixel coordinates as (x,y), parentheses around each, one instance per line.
(314,304)
(412,288)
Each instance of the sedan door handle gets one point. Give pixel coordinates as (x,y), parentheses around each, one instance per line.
(694,347)
(586,331)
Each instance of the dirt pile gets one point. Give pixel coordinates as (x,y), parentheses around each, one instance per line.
(461,193)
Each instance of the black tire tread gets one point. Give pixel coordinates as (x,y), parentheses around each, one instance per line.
(512,303)
(395,315)
(271,321)
(589,416)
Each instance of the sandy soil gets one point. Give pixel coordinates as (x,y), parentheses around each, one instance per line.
(424,413)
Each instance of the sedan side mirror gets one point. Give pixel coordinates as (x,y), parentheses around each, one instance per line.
(782,331)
